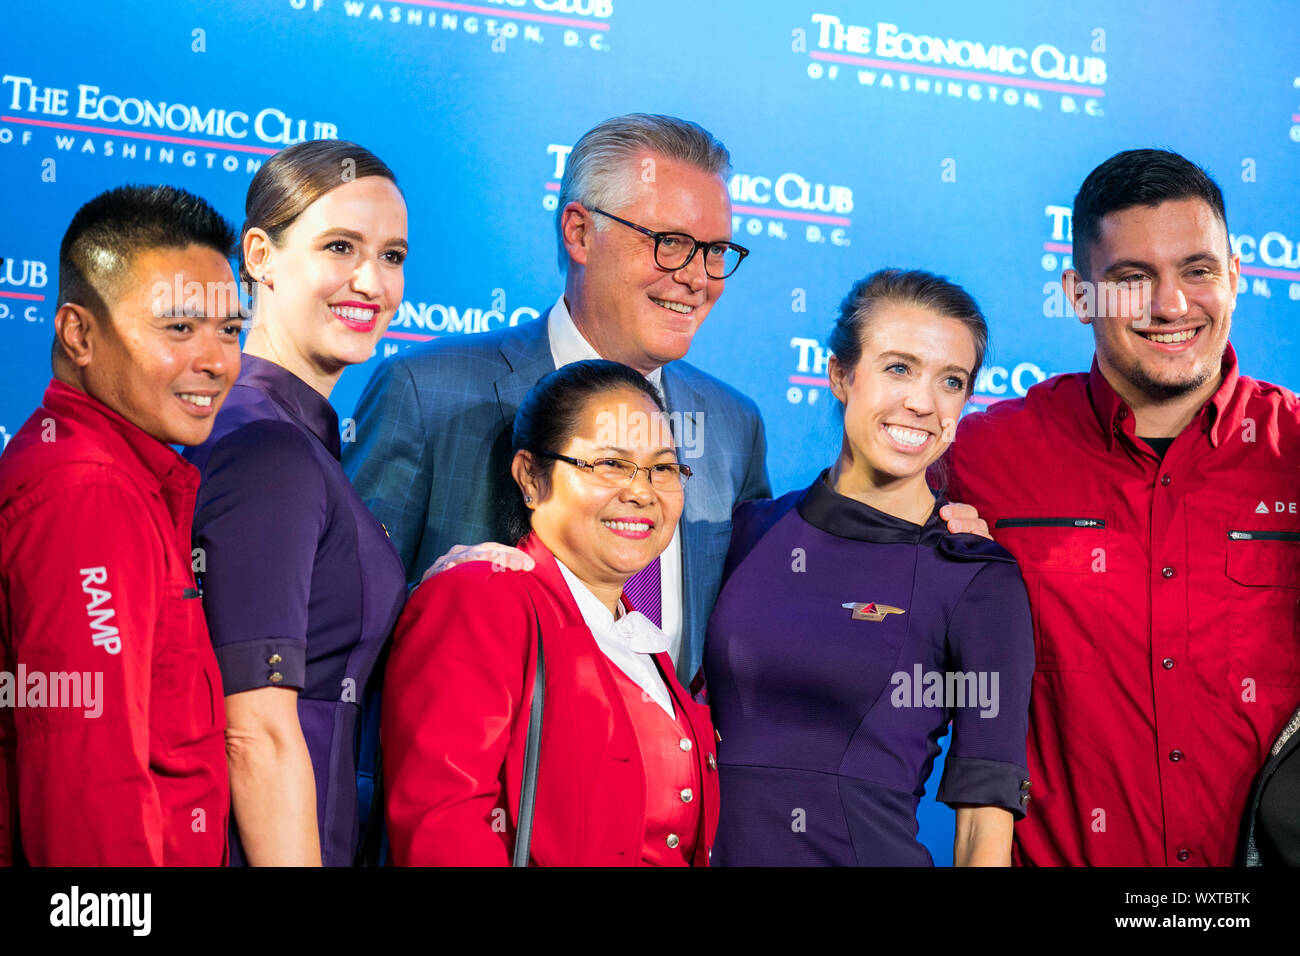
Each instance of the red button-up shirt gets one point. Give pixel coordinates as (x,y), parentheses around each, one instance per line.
(120,757)
(1164,596)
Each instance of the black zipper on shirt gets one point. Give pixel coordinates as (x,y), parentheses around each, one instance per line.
(1264,535)
(1049,523)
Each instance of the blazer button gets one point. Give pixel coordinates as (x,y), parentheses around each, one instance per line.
(684,743)
(713,762)
(275,677)
(274,659)
(688,795)
(672,841)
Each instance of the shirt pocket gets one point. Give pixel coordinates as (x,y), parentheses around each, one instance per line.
(1062,557)
(1263,607)
(186,700)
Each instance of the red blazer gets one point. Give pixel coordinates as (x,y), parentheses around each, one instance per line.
(456,701)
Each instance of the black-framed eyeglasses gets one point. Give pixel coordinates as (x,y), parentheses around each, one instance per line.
(675,250)
(615,472)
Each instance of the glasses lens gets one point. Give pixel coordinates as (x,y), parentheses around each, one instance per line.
(673,250)
(668,477)
(721,260)
(613,471)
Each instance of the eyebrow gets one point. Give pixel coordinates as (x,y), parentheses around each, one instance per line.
(356,237)
(200,315)
(1203,256)
(916,361)
(627,452)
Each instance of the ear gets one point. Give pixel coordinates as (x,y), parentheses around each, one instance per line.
(77,329)
(257,247)
(578,229)
(1234,277)
(840,377)
(1077,294)
(522,469)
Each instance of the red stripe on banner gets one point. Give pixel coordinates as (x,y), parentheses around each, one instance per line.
(22,295)
(1295,117)
(789,214)
(412,336)
(1292,274)
(960,74)
(110,131)
(810,380)
(497,12)
(553,187)
(1059,247)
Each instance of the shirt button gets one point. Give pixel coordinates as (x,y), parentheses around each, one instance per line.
(1123,413)
(1184,856)
(688,795)
(274,659)
(684,743)
(276,677)
(672,841)
(1167,663)
(1164,480)
(1167,572)
(1175,755)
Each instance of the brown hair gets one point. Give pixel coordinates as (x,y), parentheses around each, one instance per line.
(296,177)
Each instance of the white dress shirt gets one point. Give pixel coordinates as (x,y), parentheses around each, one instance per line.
(630,641)
(568,345)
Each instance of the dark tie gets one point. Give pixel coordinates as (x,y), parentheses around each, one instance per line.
(642,589)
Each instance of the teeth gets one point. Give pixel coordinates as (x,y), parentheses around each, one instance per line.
(674,306)
(628,525)
(1171,339)
(353,314)
(907,436)
(202,401)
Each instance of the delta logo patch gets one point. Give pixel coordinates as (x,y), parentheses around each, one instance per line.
(871,611)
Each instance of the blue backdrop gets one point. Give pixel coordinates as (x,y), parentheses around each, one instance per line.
(943,135)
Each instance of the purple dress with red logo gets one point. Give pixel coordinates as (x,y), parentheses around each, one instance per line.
(831,715)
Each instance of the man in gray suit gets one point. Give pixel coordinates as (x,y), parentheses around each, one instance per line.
(644,224)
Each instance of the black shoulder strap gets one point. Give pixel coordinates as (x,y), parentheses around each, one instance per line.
(532,754)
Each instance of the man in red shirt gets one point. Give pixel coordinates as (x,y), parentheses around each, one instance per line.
(1152,505)
(112,744)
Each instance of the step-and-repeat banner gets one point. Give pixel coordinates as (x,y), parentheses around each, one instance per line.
(943,135)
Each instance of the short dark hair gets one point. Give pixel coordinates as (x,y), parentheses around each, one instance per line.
(905,287)
(1136,177)
(296,177)
(548,417)
(111,230)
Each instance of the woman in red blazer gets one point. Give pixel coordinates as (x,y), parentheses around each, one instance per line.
(627,771)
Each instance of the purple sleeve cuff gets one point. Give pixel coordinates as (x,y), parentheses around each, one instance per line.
(985,783)
(266,662)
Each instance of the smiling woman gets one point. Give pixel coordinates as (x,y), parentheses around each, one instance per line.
(835,594)
(627,775)
(301,584)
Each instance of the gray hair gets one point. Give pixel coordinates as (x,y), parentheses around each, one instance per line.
(596,173)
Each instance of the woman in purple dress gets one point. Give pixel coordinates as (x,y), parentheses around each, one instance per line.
(301,585)
(852,627)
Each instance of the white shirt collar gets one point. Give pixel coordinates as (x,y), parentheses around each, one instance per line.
(631,630)
(569,345)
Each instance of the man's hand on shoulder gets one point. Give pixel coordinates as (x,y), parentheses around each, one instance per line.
(964,519)
(502,556)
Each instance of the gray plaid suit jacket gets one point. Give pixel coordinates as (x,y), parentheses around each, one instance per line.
(432,455)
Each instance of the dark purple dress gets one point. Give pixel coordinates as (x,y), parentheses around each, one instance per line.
(301,585)
(830,716)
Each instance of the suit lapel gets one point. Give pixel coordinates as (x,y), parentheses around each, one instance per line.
(683,400)
(527,350)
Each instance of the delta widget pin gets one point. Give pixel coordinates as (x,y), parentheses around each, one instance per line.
(872,611)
